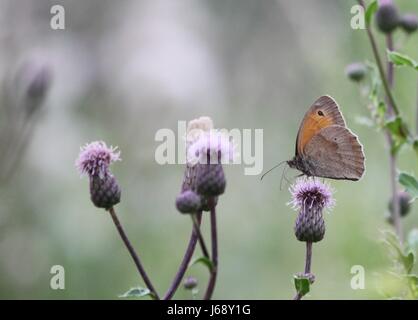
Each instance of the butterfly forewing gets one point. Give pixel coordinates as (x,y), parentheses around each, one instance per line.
(323,113)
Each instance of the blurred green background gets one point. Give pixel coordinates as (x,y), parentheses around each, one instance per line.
(121,70)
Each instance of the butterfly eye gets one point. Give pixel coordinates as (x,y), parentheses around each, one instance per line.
(320,113)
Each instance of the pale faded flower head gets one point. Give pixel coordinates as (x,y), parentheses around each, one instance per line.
(309,193)
(211,147)
(95,158)
(197,127)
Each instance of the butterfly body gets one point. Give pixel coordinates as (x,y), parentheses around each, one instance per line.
(325,147)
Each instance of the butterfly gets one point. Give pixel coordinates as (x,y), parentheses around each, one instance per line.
(325,147)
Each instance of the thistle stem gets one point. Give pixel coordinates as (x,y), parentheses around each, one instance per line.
(387,82)
(200,236)
(133,254)
(416,124)
(308,262)
(396,216)
(390,69)
(308,259)
(214,271)
(380,66)
(185,262)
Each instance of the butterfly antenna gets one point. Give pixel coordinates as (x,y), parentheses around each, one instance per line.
(268,171)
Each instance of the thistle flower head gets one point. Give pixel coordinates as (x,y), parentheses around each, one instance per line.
(190,283)
(409,22)
(95,158)
(310,193)
(404,199)
(356,71)
(188,202)
(196,127)
(387,16)
(212,147)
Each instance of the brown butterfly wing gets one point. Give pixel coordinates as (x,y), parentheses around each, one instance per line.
(336,153)
(323,113)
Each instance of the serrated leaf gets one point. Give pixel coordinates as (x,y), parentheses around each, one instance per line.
(302,284)
(205,261)
(400,59)
(137,292)
(410,183)
(371,9)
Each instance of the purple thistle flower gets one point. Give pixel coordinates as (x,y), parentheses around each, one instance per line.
(309,193)
(213,144)
(95,157)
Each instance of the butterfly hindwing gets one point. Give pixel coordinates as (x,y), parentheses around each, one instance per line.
(335,152)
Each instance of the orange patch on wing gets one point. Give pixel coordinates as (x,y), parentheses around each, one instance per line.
(310,127)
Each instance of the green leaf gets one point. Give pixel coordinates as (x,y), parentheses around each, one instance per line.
(408,261)
(395,126)
(405,259)
(302,284)
(400,59)
(137,292)
(390,285)
(381,110)
(415,146)
(205,261)
(413,284)
(398,131)
(371,9)
(410,183)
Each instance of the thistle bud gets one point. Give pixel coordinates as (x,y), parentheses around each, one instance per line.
(190,283)
(404,205)
(409,22)
(356,71)
(210,180)
(94,161)
(39,84)
(36,79)
(188,202)
(310,225)
(104,192)
(310,198)
(387,17)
